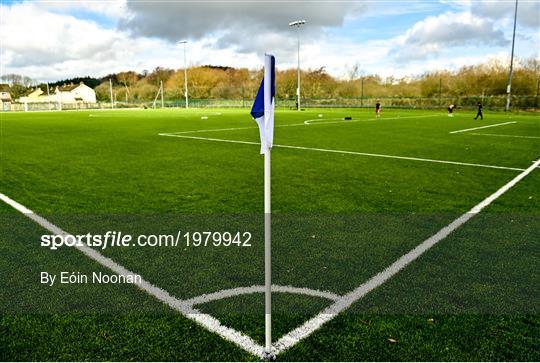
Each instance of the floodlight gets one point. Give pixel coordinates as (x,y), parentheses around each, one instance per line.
(297,24)
(185,72)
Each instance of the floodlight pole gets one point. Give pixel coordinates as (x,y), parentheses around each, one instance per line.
(48,96)
(440,91)
(161,87)
(185,73)
(509,87)
(362,92)
(110,90)
(297,24)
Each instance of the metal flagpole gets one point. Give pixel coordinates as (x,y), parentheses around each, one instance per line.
(268,117)
(267,254)
(263,113)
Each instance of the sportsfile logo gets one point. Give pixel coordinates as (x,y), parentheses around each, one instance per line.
(109,239)
(120,239)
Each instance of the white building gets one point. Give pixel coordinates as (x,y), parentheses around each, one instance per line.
(80,93)
(75,94)
(5,98)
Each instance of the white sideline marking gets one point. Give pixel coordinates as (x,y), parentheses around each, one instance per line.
(325,121)
(347,300)
(223,294)
(501,135)
(347,152)
(21,208)
(206,320)
(482,127)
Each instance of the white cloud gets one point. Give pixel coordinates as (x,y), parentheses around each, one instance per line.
(528,11)
(109,8)
(249,26)
(432,35)
(46,45)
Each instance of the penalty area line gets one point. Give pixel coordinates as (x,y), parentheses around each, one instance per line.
(347,300)
(502,135)
(182,306)
(345,152)
(482,127)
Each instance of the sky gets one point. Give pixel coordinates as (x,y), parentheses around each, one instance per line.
(52,40)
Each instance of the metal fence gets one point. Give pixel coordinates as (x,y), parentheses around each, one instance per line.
(489,102)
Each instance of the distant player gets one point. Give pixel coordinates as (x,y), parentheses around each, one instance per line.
(378,109)
(451,110)
(479,112)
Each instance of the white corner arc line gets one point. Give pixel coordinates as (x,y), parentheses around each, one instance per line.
(501,135)
(349,152)
(206,320)
(224,294)
(482,127)
(310,121)
(347,300)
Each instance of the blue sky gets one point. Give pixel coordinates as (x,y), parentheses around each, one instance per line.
(50,40)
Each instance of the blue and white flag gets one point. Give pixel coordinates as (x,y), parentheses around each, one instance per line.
(263,107)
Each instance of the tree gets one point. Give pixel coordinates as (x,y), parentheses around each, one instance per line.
(127,79)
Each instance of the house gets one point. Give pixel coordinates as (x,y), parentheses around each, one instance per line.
(5,97)
(75,94)
(71,93)
(35,96)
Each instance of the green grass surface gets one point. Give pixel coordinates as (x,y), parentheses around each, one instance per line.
(338,220)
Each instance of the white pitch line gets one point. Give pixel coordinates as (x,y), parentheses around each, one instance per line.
(339,119)
(347,300)
(330,120)
(305,123)
(183,307)
(224,294)
(208,130)
(482,127)
(501,135)
(227,129)
(348,152)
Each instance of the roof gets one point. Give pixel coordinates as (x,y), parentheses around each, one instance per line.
(70,87)
(32,90)
(4,87)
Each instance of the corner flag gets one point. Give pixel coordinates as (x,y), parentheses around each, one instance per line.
(263,107)
(263,113)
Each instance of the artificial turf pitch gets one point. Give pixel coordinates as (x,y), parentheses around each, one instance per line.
(343,211)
